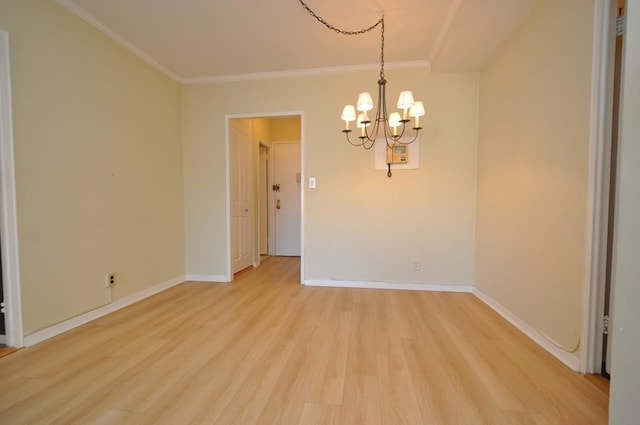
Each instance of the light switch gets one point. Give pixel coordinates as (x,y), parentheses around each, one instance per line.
(312,182)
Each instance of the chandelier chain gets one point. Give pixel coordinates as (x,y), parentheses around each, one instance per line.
(357,32)
(338,30)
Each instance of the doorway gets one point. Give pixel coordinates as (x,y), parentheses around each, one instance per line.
(264,132)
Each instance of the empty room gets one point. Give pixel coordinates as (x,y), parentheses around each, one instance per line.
(319,212)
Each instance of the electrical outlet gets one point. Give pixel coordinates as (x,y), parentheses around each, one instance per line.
(416,266)
(110,280)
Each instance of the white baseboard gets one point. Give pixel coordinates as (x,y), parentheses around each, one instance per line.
(215,278)
(87,317)
(406,286)
(569,359)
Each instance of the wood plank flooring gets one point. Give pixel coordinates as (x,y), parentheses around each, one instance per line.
(5,351)
(266,350)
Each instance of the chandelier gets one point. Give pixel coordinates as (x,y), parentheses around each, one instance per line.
(390,127)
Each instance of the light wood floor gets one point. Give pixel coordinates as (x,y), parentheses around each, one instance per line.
(266,350)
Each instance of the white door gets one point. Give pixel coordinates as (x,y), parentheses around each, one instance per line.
(240,173)
(287,198)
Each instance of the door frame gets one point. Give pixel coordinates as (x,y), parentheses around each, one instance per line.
(590,354)
(228,118)
(8,210)
(264,194)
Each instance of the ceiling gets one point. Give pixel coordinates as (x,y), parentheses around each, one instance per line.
(214,40)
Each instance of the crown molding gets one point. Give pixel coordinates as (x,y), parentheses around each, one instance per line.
(305,72)
(93,21)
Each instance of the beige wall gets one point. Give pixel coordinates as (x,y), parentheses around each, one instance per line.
(98,165)
(359,225)
(285,129)
(532,169)
(625,392)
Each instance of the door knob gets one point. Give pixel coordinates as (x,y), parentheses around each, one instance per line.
(277,204)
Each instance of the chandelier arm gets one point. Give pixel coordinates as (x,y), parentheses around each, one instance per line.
(353,143)
(365,142)
(401,135)
(368,146)
(371,136)
(376,126)
(410,141)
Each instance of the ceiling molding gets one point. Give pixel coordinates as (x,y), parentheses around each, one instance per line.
(305,72)
(444,29)
(93,21)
